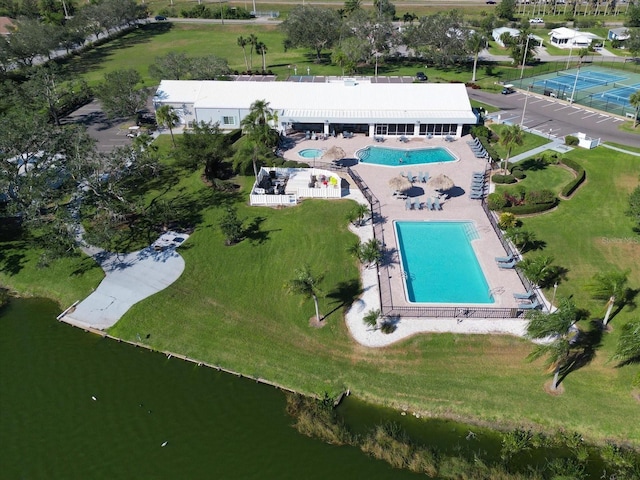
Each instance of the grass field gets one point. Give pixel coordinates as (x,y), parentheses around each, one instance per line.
(539,177)
(230,308)
(140,48)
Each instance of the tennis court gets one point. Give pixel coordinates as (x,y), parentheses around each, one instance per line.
(593,86)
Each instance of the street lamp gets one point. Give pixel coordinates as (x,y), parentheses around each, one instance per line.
(524,56)
(573,39)
(526,99)
(575,84)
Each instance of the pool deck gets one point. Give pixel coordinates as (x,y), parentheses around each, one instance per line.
(503,283)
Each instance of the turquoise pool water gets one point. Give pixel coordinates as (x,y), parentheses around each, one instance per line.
(397,157)
(439,263)
(310,153)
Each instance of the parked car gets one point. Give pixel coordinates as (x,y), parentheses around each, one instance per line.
(491,2)
(507,89)
(160,18)
(536,20)
(420,76)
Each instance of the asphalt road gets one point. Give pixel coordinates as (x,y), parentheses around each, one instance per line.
(557,118)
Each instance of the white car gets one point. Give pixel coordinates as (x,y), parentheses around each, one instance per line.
(536,20)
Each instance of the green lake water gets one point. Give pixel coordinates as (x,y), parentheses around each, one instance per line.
(216,425)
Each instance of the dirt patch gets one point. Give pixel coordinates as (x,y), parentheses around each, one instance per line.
(557,392)
(313,322)
(636,395)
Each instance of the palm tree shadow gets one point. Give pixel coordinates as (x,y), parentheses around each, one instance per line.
(344,294)
(583,349)
(253,232)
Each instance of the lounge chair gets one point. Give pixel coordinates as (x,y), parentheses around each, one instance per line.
(436,204)
(403,139)
(529,306)
(429,204)
(524,296)
(476,195)
(419,177)
(410,177)
(407,204)
(479,174)
(415,203)
(508,266)
(506,259)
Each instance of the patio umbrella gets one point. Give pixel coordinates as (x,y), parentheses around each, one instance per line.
(400,184)
(333,154)
(441,182)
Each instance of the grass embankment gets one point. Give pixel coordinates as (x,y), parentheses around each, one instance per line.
(230,308)
(540,176)
(139,49)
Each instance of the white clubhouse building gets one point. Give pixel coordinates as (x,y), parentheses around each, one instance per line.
(331,107)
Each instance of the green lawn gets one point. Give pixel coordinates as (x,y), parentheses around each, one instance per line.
(539,177)
(139,49)
(230,308)
(530,141)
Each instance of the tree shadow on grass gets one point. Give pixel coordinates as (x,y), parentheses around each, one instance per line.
(344,294)
(583,349)
(254,233)
(533,164)
(89,59)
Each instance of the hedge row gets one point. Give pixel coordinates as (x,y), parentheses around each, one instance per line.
(581,176)
(534,208)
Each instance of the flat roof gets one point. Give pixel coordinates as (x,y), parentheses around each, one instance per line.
(346,99)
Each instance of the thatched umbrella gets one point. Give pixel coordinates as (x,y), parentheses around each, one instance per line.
(400,184)
(441,182)
(333,154)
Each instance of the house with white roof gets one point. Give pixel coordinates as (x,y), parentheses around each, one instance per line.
(564,37)
(498,32)
(619,34)
(333,106)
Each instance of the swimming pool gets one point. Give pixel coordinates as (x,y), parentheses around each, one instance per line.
(310,153)
(395,157)
(439,263)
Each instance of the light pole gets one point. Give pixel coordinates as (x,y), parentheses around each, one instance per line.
(526,99)
(524,56)
(575,84)
(573,39)
(555,288)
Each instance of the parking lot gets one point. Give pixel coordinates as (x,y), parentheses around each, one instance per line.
(108,133)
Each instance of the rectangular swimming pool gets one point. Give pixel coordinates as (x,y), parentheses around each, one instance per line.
(402,157)
(439,264)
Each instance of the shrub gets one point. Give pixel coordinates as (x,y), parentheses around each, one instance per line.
(519,174)
(539,196)
(480,131)
(528,209)
(503,179)
(581,175)
(507,220)
(496,201)
(571,140)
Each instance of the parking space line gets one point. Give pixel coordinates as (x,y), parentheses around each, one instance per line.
(606,119)
(592,115)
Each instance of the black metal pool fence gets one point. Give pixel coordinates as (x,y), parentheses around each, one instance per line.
(604,95)
(385,272)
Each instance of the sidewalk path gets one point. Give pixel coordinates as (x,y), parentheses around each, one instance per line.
(129,278)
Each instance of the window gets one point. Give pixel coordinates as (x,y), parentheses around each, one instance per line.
(228,120)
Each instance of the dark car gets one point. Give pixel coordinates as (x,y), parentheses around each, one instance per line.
(491,2)
(420,76)
(160,18)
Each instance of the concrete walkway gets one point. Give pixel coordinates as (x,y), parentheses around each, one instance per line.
(129,278)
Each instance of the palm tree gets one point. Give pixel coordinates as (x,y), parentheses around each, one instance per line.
(475,44)
(634,100)
(242,43)
(538,270)
(252,41)
(556,330)
(166,116)
(509,138)
(628,348)
(610,286)
(306,283)
(261,49)
(359,212)
(370,252)
(521,238)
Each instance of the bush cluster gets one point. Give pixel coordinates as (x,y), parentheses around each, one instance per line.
(503,179)
(528,209)
(571,140)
